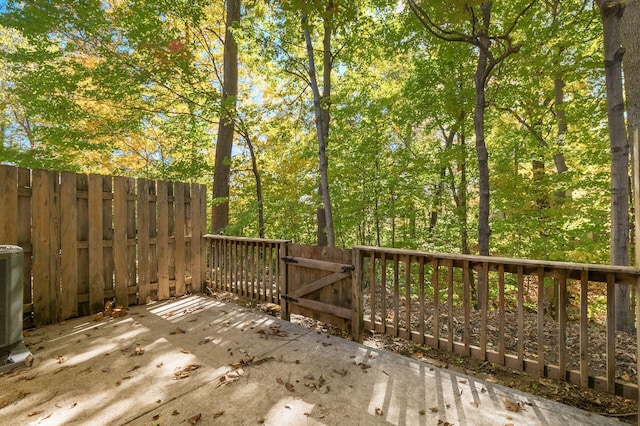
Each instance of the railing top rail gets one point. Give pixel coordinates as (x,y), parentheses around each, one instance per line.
(245,239)
(547,264)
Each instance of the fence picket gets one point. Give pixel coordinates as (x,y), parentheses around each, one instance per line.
(69,244)
(9,203)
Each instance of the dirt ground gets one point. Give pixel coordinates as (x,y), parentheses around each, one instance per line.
(590,400)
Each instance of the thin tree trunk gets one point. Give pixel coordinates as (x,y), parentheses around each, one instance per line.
(611,13)
(256,175)
(630,33)
(224,143)
(321,104)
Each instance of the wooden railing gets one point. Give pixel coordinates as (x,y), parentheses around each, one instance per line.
(428,298)
(248,267)
(549,319)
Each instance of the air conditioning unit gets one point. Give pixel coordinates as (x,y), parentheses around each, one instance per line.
(13,353)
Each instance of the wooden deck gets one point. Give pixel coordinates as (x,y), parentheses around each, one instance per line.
(432,299)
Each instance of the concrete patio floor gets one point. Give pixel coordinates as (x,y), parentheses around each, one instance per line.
(196,360)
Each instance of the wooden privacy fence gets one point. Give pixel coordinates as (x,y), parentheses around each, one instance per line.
(429,298)
(88,239)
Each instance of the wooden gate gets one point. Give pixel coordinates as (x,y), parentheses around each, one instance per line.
(319,284)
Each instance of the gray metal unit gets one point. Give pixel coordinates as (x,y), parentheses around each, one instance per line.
(12,350)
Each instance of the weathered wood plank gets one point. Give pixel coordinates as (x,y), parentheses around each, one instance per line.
(520,350)
(318,284)
(69,245)
(179,229)
(323,307)
(484,293)
(421,315)
(163,240)
(407,290)
(318,264)
(501,315)
(466,300)
(611,333)
(120,245)
(541,322)
(383,291)
(96,247)
(357,305)
(436,301)
(450,325)
(197,232)
(144,291)
(396,293)
(44,247)
(24,233)
(562,326)
(82,204)
(132,245)
(584,329)
(107,233)
(9,203)
(284,283)
(372,285)
(153,239)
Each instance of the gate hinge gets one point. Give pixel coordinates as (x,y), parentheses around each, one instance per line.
(289,298)
(348,268)
(287,259)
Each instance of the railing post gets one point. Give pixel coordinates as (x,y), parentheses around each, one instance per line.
(284,281)
(357,311)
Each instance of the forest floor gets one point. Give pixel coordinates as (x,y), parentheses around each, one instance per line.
(591,400)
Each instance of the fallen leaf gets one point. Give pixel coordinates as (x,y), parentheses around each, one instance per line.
(218,414)
(342,372)
(434,409)
(279,380)
(422,412)
(156,417)
(175,413)
(139,350)
(463,381)
(379,411)
(159,365)
(158,401)
(474,404)
(327,389)
(177,330)
(289,387)
(510,405)
(186,351)
(35,413)
(195,419)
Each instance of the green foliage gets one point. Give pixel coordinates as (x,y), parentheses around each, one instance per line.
(133,88)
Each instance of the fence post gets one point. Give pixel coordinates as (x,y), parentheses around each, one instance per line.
(284,282)
(357,311)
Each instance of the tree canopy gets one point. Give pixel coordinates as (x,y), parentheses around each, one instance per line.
(136,88)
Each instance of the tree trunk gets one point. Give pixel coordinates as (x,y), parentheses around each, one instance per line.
(256,175)
(611,13)
(478,121)
(480,79)
(630,33)
(224,143)
(321,104)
